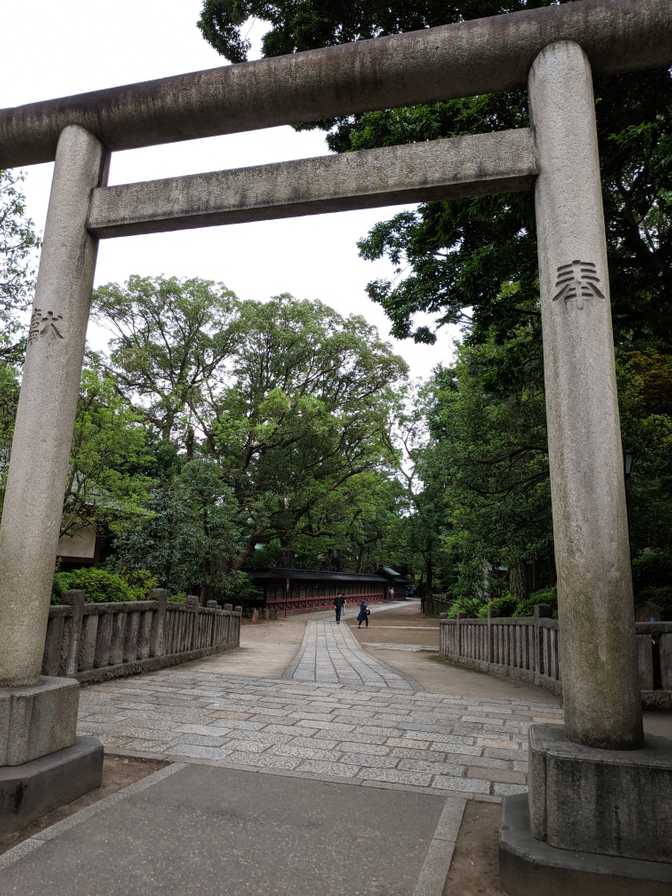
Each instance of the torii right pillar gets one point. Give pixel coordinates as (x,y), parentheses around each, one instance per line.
(598,816)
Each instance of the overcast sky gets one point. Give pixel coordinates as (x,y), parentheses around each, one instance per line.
(52,49)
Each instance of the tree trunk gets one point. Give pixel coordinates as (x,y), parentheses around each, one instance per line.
(429,574)
(518,582)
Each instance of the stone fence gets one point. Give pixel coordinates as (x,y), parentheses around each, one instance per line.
(526,648)
(96,642)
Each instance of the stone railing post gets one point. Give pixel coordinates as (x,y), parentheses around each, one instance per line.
(193,604)
(488,657)
(541,611)
(237,616)
(157,640)
(76,600)
(459,634)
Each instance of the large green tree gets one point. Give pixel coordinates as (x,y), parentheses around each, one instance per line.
(170,341)
(107,483)
(290,404)
(487,461)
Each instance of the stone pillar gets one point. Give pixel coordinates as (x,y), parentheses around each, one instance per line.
(595,604)
(76,599)
(47,404)
(158,638)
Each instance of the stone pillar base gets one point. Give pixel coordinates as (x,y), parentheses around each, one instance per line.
(609,802)
(28,791)
(530,867)
(37,720)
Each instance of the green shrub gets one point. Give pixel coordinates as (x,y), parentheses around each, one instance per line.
(544,596)
(504,605)
(100,585)
(465,606)
(141,579)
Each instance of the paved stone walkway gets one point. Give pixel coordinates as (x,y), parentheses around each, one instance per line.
(386,734)
(330,654)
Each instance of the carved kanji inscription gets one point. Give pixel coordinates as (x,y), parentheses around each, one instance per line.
(577,280)
(43,322)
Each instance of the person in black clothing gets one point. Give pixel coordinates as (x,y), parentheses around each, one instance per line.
(363,615)
(339,603)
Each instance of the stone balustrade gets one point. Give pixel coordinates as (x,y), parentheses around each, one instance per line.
(526,649)
(96,641)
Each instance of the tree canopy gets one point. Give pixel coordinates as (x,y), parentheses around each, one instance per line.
(273,422)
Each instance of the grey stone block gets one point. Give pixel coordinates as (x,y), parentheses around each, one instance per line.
(529,867)
(37,720)
(28,791)
(612,802)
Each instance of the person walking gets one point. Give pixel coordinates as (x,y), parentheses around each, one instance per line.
(363,615)
(339,603)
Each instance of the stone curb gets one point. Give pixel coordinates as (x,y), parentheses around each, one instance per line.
(435,868)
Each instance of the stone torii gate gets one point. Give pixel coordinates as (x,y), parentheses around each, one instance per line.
(600,805)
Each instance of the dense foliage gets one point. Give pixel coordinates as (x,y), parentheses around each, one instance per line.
(102,586)
(270,430)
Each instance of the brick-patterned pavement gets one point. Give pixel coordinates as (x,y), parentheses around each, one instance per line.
(359,722)
(330,654)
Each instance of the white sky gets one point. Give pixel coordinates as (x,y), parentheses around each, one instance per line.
(51,49)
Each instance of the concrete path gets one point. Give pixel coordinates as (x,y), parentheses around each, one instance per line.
(331,654)
(191,830)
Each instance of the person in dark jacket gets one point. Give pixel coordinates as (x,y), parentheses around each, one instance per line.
(339,603)
(363,615)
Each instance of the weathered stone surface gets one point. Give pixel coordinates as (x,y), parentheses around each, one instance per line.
(462,59)
(529,867)
(37,720)
(604,801)
(28,791)
(33,503)
(645,662)
(437,169)
(595,605)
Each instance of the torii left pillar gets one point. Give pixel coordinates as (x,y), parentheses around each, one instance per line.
(42,762)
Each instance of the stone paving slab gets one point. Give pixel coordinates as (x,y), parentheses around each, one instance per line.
(412,739)
(331,653)
(342,716)
(203,831)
